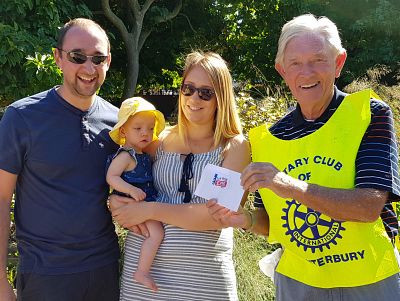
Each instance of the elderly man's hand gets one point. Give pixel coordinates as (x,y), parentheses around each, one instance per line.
(266,175)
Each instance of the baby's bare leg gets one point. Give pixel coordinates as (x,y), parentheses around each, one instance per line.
(147,253)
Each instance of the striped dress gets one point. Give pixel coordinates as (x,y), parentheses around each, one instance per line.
(189,265)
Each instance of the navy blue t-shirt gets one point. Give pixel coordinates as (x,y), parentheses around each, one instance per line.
(58,152)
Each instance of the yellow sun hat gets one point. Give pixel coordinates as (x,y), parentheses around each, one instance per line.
(132,106)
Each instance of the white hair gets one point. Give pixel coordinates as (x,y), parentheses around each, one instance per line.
(308,23)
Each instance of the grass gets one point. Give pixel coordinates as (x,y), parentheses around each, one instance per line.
(252,284)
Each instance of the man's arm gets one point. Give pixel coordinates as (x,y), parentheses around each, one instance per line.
(357,204)
(7,186)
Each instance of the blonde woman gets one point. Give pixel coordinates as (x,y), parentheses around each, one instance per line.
(194,262)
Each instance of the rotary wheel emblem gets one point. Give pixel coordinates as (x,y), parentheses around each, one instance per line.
(310,229)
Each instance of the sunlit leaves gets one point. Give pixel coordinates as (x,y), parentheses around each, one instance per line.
(28,29)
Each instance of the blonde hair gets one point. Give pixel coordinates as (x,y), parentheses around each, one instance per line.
(308,23)
(226,121)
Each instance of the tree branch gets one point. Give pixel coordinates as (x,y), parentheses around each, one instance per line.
(143,37)
(188,20)
(146,6)
(135,8)
(117,22)
(171,15)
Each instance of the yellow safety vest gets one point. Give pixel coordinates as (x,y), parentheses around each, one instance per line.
(396,208)
(318,250)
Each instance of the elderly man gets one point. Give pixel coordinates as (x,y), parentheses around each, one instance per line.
(327,174)
(53,149)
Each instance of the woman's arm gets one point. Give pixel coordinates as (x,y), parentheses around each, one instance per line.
(237,154)
(238,157)
(187,216)
(256,221)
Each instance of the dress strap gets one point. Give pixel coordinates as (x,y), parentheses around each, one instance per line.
(129,150)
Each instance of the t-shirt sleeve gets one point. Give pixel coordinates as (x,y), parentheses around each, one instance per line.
(14,141)
(377,157)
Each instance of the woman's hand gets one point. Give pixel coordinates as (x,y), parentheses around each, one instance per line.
(228,218)
(123,211)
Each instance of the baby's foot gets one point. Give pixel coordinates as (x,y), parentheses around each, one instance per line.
(145,279)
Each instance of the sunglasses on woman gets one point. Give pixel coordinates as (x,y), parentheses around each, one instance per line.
(204,93)
(80,58)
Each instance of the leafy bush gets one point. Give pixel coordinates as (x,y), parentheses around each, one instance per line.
(28,31)
(12,251)
(268,109)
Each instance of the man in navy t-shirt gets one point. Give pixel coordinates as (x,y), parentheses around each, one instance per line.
(53,148)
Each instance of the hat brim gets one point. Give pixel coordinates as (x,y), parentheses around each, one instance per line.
(158,128)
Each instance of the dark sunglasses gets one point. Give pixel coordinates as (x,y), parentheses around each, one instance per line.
(80,58)
(204,93)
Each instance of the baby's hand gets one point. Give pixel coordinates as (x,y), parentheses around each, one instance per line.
(137,194)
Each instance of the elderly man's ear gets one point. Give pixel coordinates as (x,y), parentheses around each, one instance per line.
(281,71)
(340,60)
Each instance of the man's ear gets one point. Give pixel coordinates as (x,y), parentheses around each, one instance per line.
(57,57)
(281,71)
(109,61)
(340,60)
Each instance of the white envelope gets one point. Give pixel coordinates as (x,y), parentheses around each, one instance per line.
(221,184)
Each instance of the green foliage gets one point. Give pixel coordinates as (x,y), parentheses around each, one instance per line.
(173,77)
(369,31)
(249,36)
(43,71)
(267,109)
(245,33)
(28,31)
(112,88)
(193,28)
(12,260)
